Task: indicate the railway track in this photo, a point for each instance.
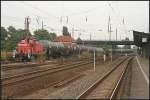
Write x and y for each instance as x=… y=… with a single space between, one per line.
x=7 y=67
x=23 y=65
x=67 y=81
x=21 y=85
x=25 y=70
x=30 y=75
x=106 y=87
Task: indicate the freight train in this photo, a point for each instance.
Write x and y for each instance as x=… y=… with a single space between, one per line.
x=29 y=48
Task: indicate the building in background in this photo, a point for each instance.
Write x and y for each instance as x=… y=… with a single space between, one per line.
x=141 y=40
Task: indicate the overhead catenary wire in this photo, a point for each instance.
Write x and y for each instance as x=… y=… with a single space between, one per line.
x=13 y=18
x=121 y=20
x=42 y=11
x=48 y=14
x=16 y=18
x=84 y=12
x=114 y=12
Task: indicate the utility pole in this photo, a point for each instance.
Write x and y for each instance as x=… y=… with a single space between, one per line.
x=42 y=24
x=38 y=19
x=110 y=40
x=116 y=34
x=73 y=31
x=109 y=28
x=120 y=38
x=94 y=60
x=109 y=31
x=27 y=19
x=25 y=24
x=90 y=37
x=67 y=19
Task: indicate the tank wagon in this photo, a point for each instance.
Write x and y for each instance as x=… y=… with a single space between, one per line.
x=59 y=49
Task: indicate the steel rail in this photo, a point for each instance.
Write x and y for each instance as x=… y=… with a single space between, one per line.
x=115 y=90
x=84 y=93
x=33 y=72
x=42 y=70
x=25 y=66
x=11 y=67
x=34 y=75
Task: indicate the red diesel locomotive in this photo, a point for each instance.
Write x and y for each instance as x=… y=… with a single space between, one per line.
x=28 y=48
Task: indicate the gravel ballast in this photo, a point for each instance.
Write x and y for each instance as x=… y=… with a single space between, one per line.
x=73 y=90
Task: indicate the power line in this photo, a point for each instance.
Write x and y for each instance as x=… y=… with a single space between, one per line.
x=32 y=7
x=83 y=12
x=11 y=17
x=118 y=11
x=122 y=20
x=42 y=11
x=48 y=13
x=110 y=5
x=87 y=11
x=15 y=20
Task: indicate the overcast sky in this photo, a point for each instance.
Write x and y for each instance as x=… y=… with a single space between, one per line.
x=134 y=13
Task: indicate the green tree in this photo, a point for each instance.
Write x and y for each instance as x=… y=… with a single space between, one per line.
x=16 y=36
x=43 y=34
x=21 y=33
x=65 y=31
x=4 y=34
x=13 y=37
x=53 y=36
x=11 y=29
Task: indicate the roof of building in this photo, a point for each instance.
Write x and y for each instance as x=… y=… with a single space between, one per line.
x=64 y=39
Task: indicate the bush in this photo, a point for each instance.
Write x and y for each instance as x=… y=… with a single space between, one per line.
x=6 y=58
